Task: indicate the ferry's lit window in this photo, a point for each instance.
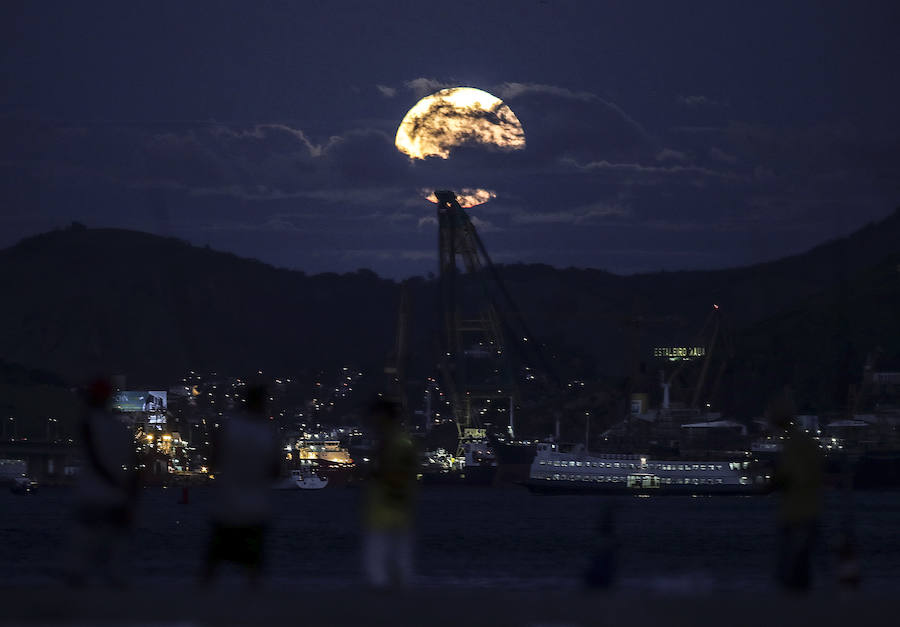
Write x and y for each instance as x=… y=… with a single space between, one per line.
x=718 y=481
x=571 y=463
x=702 y=466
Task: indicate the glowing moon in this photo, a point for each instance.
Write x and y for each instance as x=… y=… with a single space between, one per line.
x=455 y=117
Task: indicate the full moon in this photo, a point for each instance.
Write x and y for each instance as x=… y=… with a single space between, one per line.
x=456 y=117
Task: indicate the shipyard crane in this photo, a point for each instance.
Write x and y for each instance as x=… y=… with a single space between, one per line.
x=479 y=322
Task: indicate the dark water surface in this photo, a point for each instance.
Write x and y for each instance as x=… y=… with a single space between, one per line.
x=475 y=537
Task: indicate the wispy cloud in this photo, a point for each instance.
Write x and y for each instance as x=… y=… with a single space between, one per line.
x=261 y=131
x=511 y=91
x=582 y=215
x=387 y=92
x=423 y=86
x=484 y=226
x=693 y=102
x=648 y=170
x=720 y=155
x=669 y=154
x=380 y=254
x=273 y=224
x=507 y=91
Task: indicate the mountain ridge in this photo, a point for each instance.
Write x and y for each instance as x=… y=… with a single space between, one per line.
x=84 y=300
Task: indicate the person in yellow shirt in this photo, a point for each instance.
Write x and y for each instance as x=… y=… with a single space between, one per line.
x=799 y=478
x=390 y=500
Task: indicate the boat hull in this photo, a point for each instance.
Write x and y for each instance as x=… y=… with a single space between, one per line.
x=587 y=487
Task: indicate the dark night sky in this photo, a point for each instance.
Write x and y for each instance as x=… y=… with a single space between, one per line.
x=660 y=135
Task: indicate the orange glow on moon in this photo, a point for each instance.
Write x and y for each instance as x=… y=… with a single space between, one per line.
x=467 y=197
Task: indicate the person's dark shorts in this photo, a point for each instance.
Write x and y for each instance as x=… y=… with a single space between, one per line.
x=242 y=545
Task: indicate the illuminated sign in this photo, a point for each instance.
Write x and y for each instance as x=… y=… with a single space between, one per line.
x=678 y=353
x=144 y=400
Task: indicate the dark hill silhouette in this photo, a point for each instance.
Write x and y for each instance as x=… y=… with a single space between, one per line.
x=607 y=315
x=88 y=300
x=77 y=301
x=820 y=343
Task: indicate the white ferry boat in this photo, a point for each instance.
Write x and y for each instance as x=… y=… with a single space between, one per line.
x=575 y=471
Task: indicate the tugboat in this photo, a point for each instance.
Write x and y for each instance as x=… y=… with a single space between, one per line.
x=476 y=467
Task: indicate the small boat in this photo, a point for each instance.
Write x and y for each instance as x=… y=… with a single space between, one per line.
x=24 y=485
x=299 y=481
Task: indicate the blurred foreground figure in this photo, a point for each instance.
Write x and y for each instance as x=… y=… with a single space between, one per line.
x=798 y=477
x=390 y=500
x=601 y=570
x=106 y=494
x=848 y=566
x=245 y=459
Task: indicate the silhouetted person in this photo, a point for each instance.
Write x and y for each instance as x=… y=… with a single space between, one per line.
x=601 y=570
x=246 y=460
x=390 y=500
x=799 y=478
x=107 y=491
x=848 y=566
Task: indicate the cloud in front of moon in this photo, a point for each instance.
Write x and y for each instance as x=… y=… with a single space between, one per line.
x=456 y=117
x=466 y=197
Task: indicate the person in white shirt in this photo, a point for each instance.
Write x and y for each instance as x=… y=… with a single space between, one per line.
x=245 y=461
